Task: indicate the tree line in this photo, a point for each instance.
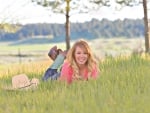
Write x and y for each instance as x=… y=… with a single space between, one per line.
x=128 y=28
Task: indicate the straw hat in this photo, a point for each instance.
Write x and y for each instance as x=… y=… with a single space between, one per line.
x=22 y=81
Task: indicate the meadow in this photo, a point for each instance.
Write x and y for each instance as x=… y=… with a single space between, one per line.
x=122 y=87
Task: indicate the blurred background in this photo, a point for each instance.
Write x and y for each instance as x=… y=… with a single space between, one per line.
x=29 y=28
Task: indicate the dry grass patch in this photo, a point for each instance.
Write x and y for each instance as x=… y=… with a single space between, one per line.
x=30 y=68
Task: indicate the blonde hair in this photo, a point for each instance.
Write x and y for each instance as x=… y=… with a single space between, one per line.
x=91 y=62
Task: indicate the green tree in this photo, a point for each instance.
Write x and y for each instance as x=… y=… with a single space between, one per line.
x=68 y=7
x=145 y=9
x=8 y=27
x=9 y=18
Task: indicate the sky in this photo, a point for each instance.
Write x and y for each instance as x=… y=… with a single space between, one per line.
x=25 y=12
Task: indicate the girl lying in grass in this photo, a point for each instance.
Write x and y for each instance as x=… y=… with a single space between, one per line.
x=80 y=63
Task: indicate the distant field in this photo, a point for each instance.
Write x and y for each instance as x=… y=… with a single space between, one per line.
x=10 y=51
x=10 y=46
x=34 y=50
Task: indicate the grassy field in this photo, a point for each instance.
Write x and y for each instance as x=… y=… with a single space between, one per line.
x=36 y=49
x=122 y=87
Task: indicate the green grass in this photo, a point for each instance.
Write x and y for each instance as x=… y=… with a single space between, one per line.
x=122 y=87
x=30 y=47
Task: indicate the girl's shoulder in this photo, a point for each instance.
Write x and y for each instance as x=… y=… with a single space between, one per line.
x=66 y=63
x=67 y=67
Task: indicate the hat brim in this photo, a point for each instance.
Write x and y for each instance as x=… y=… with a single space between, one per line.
x=10 y=88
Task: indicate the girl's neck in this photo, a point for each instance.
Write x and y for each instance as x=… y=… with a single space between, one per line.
x=82 y=70
x=82 y=66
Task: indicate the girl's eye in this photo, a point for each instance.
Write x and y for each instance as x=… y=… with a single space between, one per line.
x=78 y=52
x=82 y=53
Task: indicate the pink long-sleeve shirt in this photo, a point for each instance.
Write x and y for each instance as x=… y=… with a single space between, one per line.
x=67 y=73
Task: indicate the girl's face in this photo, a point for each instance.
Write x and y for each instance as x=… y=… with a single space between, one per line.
x=81 y=55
